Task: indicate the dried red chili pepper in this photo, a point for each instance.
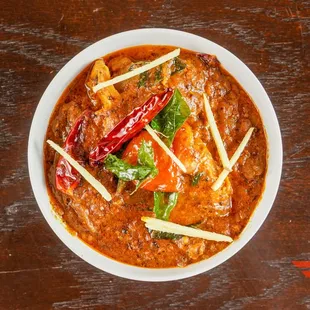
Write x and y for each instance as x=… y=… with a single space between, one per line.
x=67 y=178
x=130 y=126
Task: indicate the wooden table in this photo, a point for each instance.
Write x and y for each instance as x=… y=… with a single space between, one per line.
x=38 y=37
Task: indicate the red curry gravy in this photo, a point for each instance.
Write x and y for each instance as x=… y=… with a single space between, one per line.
x=115 y=228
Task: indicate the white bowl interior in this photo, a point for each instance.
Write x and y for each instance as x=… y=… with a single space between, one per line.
x=156 y=37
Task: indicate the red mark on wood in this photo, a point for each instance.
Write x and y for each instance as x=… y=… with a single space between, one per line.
x=301 y=264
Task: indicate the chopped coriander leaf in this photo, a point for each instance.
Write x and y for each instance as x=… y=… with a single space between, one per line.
x=196 y=178
x=142 y=79
x=158 y=74
x=178 y=66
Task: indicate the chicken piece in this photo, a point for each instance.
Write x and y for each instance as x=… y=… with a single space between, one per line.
x=193 y=152
x=106 y=97
x=201 y=201
x=120 y=65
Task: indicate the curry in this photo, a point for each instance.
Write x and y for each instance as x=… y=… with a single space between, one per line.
x=109 y=133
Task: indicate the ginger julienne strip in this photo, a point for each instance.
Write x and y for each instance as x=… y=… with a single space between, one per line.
x=169 y=227
x=216 y=134
x=218 y=183
x=84 y=173
x=165 y=148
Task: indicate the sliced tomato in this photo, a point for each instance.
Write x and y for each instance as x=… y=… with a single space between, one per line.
x=168 y=178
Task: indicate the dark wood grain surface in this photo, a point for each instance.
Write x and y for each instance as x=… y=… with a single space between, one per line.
x=38 y=37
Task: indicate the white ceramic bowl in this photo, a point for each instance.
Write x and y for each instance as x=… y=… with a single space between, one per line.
x=160 y=37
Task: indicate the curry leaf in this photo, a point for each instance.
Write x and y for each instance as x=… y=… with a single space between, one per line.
x=146 y=158
x=127 y=172
x=146 y=155
x=155 y=234
x=164 y=203
x=172 y=117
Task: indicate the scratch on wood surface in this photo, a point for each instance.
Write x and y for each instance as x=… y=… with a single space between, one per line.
x=299 y=150
x=17 y=175
x=247 y=10
x=61 y=18
x=287 y=277
x=20 y=213
x=7 y=135
x=34 y=52
x=289 y=12
x=304 y=302
x=46 y=33
x=97 y=9
x=297 y=161
x=302 y=40
x=29 y=270
x=12 y=209
x=296 y=9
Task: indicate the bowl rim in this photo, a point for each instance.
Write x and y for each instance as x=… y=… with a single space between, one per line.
x=153 y=36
